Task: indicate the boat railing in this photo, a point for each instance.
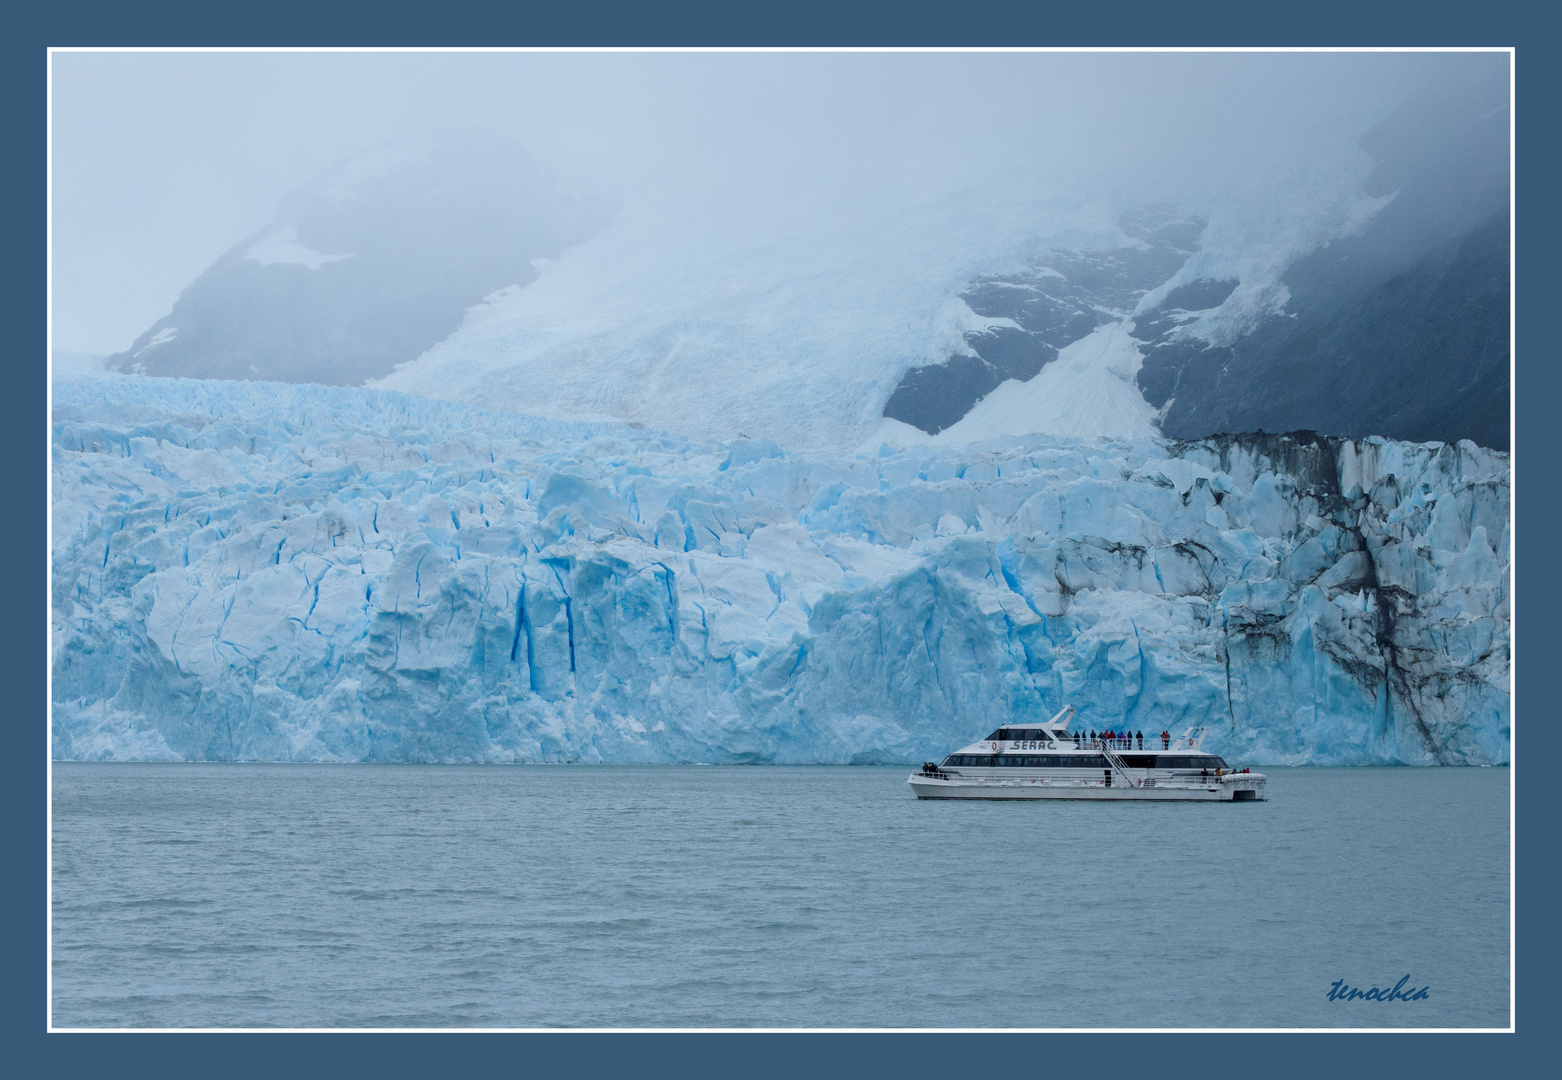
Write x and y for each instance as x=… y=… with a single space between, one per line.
x=1121 y=767
x=1132 y=746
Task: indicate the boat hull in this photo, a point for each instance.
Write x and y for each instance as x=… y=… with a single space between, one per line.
x=1237 y=788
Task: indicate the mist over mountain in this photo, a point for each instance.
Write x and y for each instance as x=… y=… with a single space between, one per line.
x=1401 y=330
x=1351 y=295
x=368 y=265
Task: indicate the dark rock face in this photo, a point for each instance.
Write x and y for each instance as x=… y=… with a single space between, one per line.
x=368 y=266
x=1401 y=330
x=1422 y=357
x=1062 y=297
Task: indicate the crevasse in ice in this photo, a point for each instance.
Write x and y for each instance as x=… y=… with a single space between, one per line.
x=262 y=571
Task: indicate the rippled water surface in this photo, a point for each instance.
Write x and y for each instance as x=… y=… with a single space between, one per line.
x=608 y=896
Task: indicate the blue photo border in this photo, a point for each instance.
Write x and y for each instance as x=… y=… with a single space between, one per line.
x=31 y=1051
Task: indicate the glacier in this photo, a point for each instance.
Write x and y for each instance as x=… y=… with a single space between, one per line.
x=296 y=572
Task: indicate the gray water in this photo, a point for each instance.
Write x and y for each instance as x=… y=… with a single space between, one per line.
x=702 y=896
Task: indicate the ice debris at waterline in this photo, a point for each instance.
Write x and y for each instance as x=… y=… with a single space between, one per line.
x=263 y=571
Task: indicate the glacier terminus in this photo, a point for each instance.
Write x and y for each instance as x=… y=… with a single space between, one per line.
x=276 y=572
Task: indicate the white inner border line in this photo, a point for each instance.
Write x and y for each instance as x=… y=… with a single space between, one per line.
x=1513 y=536
x=48 y=529
x=1512 y=517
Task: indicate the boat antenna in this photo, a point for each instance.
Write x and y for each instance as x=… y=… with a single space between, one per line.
x=1059 y=718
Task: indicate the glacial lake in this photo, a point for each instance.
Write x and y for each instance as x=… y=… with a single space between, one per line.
x=753 y=896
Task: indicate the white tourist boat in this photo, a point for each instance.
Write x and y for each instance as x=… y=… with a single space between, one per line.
x=1048 y=761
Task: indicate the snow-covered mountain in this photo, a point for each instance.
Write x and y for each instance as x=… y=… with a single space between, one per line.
x=262 y=571
x=368 y=265
x=459 y=270
x=1400 y=329
x=1416 y=298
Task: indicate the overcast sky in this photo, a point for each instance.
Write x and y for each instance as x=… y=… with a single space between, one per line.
x=163 y=161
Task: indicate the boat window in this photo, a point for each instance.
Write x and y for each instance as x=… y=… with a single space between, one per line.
x=1057 y=761
x=1139 y=761
x=1190 y=761
x=1008 y=734
x=1028 y=761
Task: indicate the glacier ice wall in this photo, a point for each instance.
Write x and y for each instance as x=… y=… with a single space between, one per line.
x=253 y=571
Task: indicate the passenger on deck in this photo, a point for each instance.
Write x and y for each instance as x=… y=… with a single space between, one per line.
x=1140 y=736
x=1165 y=740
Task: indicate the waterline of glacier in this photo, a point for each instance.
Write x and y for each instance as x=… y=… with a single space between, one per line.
x=251 y=571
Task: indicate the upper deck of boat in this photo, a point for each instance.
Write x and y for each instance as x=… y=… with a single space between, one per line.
x=1008 y=739
x=1051 y=745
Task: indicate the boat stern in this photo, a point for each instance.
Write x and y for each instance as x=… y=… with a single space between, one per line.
x=1243 y=787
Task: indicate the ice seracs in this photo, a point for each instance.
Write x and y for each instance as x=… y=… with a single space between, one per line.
x=295 y=572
